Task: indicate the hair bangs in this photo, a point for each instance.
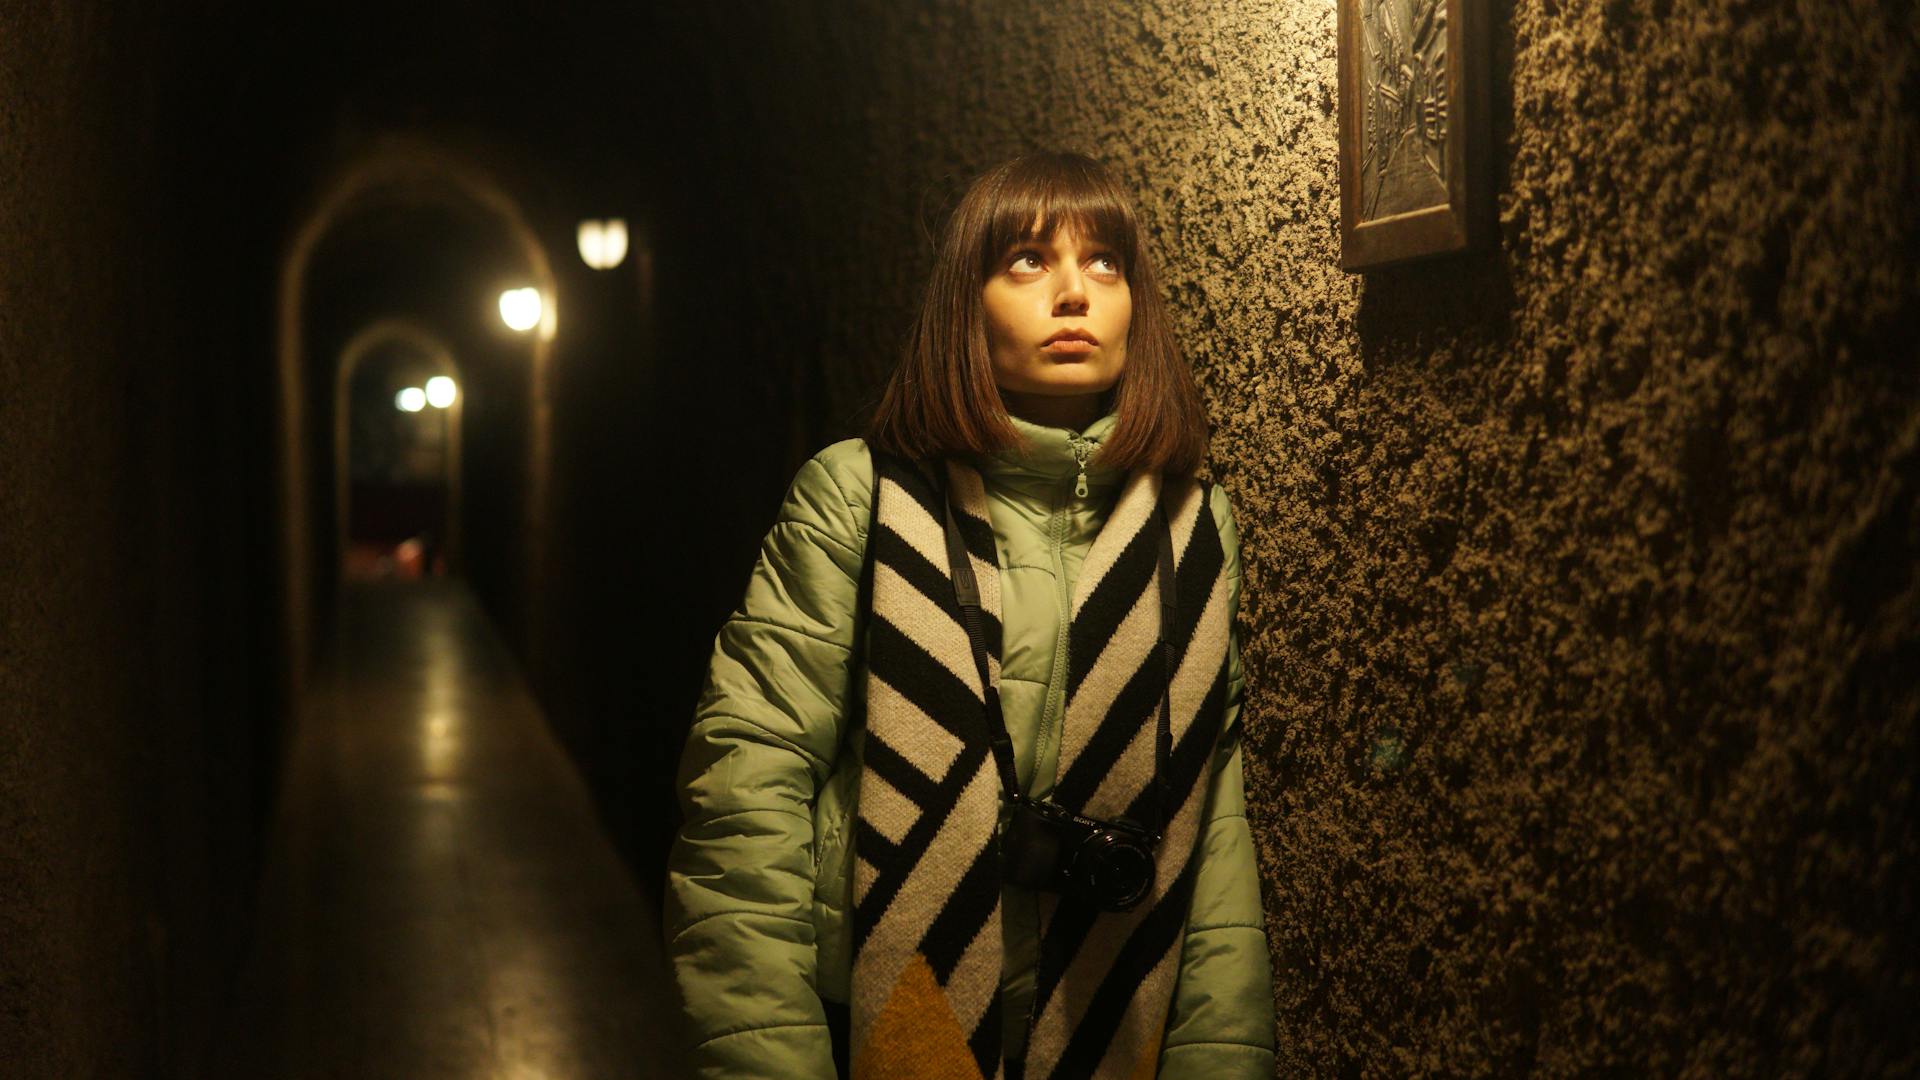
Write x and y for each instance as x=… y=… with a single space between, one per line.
x=1045 y=193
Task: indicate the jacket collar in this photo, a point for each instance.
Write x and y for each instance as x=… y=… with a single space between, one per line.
x=1047 y=460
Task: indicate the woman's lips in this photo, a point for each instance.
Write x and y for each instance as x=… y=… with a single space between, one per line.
x=1068 y=347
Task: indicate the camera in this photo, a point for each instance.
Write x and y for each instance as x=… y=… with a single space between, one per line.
x=1052 y=849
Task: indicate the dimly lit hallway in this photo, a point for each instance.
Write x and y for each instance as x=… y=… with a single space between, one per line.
x=1581 y=594
x=439 y=900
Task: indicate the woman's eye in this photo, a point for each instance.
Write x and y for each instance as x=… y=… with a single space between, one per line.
x=1105 y=264
x=1027 y=262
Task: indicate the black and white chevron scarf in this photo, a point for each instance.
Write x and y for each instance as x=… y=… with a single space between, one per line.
x=926 y=887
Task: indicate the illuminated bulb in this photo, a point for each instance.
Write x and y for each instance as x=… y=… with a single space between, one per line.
x=603 y=244
x=412 y=399
x=520 y=308
x=440 y=391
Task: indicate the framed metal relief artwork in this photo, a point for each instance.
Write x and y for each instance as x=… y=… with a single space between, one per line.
x=1415 y=164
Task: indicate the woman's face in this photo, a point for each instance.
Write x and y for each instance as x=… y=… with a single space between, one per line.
x=1057 y=315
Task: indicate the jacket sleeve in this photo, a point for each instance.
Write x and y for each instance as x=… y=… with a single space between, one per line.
x=738 y=918
x=1221 y=1023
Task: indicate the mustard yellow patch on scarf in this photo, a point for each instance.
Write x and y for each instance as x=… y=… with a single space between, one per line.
x=916 y=1036
x=1148 y=1065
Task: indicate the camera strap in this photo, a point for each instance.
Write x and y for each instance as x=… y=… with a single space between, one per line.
x=966 y=590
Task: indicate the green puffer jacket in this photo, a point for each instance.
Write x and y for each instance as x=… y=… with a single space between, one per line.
x=760 y=879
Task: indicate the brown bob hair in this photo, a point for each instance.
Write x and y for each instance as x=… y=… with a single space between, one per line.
x=942 y=400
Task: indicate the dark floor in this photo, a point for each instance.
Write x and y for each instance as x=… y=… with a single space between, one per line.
x=441 y=902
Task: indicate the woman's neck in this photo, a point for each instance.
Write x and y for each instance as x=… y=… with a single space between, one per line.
x=1071 y=411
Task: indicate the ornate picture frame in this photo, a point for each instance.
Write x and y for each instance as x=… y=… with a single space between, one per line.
x=1415 y=155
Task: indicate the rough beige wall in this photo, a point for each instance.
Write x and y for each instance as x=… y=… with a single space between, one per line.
x=132 y=699
x=69 y=893
x=1582 y=609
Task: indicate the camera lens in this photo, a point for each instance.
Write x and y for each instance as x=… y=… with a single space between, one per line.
x=1116 y=869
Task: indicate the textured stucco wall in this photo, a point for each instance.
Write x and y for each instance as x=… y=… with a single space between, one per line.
x=135 y=723
x=1581 y=574
x=61 y=874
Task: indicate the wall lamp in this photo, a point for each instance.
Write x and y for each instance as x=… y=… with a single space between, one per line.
x=521 y=309
x=603 y=243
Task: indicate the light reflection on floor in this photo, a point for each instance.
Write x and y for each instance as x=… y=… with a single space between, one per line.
x=442 y=903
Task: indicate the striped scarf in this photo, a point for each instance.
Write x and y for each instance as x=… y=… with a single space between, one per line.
x=926 y=887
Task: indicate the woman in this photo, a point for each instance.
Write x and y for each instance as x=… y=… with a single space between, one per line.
x=963 y=794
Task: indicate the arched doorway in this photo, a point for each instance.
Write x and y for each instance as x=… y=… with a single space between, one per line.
x=398 y=172
x=397 y=500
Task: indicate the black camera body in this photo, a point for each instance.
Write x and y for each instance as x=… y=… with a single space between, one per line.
x=1049 y=848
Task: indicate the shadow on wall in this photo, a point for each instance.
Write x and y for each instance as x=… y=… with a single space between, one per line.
x=1405 y=311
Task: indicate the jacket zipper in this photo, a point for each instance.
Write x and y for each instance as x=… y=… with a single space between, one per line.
x=1082 y=450
x=1045 y=745
x=1050 y=717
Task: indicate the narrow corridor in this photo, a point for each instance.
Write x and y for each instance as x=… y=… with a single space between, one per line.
x=441 y=901
x=1579 y=569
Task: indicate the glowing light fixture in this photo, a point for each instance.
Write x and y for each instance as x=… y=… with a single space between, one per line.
x=440 y=391
x=603 y=244
x=412 y=399
x=520 y=309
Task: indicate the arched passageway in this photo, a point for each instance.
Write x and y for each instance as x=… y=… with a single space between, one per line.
x=445 y=519
x=425 y=795
x=397 y=178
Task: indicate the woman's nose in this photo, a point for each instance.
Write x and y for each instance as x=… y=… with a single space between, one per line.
x=1072 y=297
